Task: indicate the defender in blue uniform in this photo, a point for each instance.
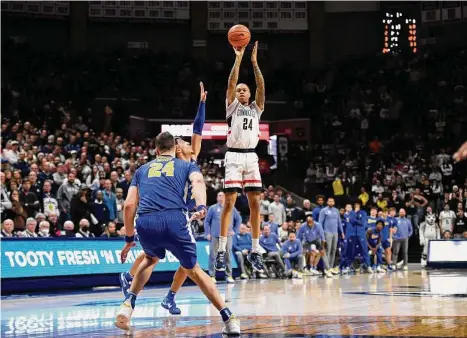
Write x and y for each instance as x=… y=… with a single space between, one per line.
x=189 y=153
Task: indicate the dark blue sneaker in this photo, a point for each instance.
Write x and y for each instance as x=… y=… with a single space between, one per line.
x=124 y=284
x=169 y=304
x=256 y=261
x=220 y=261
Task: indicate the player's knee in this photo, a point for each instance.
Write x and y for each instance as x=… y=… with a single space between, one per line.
x=229 y=202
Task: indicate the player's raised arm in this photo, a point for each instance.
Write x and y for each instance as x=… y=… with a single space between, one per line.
x=198 y=123
x=199 y=194
x=233 y=77
x=260 y=96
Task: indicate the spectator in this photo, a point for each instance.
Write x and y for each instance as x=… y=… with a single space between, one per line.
x=306 y=210
x=68 y=229
x=241 y=245
x=110 y=231
x=55 y=225
x=84 y=229
x=338 y=189
x=125 y=184
x=60 y=176
x=270 y=243
x=30 y=231
x=272 y=225
x=44 y=229
x=81 y=206
x=100 y=212
x=447 y=219
x=35 y=186
x=401 y=239
x=28 y=199
x=330 y=220
x=364 y=197
x=264 y=207
x=120 y=202
x=110 y=201
x=65 y=194
x=292 y=213
x=212 y=227
x=277 y=209
x=447 y=235
x=50 y=203
x=283 y=232
x=19 y=212
x=12 y=153
x=292 y=253
x=5 y=200
x=460 y=224
x=8 y=229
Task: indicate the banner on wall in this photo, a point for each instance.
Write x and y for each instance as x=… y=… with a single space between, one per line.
x=23 y=258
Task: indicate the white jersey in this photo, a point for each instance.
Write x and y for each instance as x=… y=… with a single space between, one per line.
x=446 y=219
x=243 y=124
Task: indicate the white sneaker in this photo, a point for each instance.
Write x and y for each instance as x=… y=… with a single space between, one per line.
x=214 y=280
x=232 y=326
x=263 y=275
x=315 y=272
x=335 y=270
x=369 y=269
x=244 y=276
x=380 y=269
x=399 y=264
x=423 y=263
x=230 y=280
x=307 y=272
x=345 y=271
x=122 y=320
x=328 y=273
x=405 y=268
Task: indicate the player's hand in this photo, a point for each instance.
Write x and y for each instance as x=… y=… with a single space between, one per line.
x=343 y=236
x=198 y=215
x=208 y=237
x=254 y=53
x=126 y=249
x=461 y=153
x=287 y=255
x=239 y=51
x=203 y=93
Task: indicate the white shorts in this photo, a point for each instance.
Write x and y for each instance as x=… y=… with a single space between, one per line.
x=242 y=172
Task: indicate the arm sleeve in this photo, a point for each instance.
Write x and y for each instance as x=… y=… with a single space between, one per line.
x=198 y=123
x=410 y=228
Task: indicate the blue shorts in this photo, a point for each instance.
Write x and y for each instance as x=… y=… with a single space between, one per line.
x=168 y=230
x=386 y=244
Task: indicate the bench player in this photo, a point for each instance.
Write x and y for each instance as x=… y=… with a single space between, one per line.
x=186 y=152
x=158 y=192
x=241 y=161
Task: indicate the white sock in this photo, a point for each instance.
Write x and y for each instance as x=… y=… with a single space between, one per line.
x=255 y=245
x=222 y=243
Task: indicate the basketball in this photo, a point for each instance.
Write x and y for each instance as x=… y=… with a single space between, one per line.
x=239 y=36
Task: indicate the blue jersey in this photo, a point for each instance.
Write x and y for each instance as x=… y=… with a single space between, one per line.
x=374 y=237
x=162 y=184
x=190 y=201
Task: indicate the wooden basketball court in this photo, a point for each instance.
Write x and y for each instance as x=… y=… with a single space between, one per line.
x=411 y=303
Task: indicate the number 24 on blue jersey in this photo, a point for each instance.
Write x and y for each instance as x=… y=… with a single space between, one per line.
x=157 y=169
